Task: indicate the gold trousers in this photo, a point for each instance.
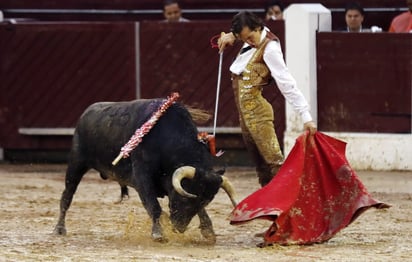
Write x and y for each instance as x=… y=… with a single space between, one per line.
x=256 y=121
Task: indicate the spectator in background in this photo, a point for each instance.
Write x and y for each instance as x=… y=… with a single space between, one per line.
x=172 y=12
x=274 y=10
x=403 y=22
x=354 y=16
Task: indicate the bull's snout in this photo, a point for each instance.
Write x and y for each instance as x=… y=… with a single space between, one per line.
x=179 y=228
x=180 y=225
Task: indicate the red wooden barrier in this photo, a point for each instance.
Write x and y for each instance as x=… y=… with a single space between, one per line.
x=50 y=72
x=364 y=82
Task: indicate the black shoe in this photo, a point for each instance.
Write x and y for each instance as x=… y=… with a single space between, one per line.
x=264 y=244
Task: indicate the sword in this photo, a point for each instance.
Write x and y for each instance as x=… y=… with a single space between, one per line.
x=212 y=142
x=219 y=76
x=214 y=44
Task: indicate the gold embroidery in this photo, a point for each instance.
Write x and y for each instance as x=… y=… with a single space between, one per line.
x=256 y=113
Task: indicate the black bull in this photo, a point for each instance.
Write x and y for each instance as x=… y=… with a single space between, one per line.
x=170 y=161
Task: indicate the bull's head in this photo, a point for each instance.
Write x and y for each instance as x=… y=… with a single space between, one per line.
x=202 y=186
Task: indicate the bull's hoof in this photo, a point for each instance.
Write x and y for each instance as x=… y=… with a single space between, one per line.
x=209 y=234
x=123 y=197
x=60 y=231
x=157 y=237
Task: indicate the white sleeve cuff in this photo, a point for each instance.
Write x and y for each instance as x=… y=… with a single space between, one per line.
x=306 y=117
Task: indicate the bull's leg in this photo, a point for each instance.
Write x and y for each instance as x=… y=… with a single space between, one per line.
x=124 y=191
x=124 y=194
x=154 y=210
x=206 y=227
x=74 y=174
x=147 y=192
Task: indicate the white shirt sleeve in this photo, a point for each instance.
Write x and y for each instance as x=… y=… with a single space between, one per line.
x=273 y=58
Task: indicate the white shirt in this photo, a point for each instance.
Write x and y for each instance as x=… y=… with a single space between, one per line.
x=273 y=58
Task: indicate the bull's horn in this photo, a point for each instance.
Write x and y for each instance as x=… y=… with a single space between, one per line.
x=229 y=189
x=178 y=175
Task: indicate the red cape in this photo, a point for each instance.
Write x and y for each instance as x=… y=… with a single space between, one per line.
x=313 y=196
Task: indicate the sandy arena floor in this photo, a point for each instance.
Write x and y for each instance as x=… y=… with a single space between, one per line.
x=100 y=230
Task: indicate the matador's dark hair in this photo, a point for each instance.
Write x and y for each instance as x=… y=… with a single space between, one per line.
x=246 y=18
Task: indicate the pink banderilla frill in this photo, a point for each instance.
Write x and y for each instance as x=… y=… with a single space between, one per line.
x=144 y=129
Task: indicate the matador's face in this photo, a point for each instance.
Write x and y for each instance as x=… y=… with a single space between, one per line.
x=252 y=37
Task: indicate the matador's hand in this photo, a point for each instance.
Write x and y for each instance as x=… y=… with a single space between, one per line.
x=311 y=127
x=225 y=40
